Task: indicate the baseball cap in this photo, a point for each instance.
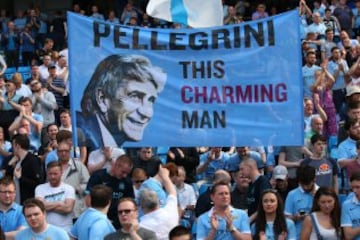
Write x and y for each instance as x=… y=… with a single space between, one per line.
x=280 y=172
x=352 y=90
x=51 y=65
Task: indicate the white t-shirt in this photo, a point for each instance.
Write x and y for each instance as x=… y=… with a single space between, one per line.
x=163 y=219
x=57 y=194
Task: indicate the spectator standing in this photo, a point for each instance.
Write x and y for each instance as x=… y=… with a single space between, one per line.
x=39 y=228
x=12 y=218
x=279 y=181
x=147 y=161
x=299 y=201
x=350 y=213
x=116 y=177
x=167 y=217
x=58 y=30
x=271 y=222
x=188 y=157
x=27 y=169
x=27 y=42
x=223 y=221
x=326 y=168
x=93 y=224
x=324 y=219
x=10 y=42
x=345 y=16
x=75 y=174
x=57 y=196
x=211 y=161
x=128 y=218
x=248 y=169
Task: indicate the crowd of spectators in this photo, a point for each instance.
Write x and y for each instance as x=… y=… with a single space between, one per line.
x=51 y=188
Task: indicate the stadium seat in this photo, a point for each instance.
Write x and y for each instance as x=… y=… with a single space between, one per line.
x=9 y=72
x=332 y=143
x=342 y=198
x=24 y=69
x=25 y=72
x=204 y=187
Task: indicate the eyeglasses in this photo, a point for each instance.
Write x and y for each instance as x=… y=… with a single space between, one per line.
x=125 y=211
x=139 y=181
x=7 y=192
x=63 y=150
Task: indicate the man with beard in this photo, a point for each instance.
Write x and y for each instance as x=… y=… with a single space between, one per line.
x=347 y=149
x=117 y=103
x=43 y=102
x=299 y=201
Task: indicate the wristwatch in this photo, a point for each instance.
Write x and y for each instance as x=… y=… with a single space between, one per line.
x=232 y=229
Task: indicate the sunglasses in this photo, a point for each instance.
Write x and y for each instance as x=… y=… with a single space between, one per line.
x=125 y=211
x=139 y=181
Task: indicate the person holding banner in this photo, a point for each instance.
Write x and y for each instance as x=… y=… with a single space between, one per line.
x=117 y=103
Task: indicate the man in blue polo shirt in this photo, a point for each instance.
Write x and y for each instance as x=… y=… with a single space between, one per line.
x=299 y=201
x=223 y=221
x=12 y=219
x=243 y=153
x=350 y=213
x=93 y=223
x=211 y=161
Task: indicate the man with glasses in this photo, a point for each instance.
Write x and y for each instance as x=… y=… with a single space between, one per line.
x=93 y=223
x=12 y=218
x=75 y=174
x=128 y=217
x=115 y=177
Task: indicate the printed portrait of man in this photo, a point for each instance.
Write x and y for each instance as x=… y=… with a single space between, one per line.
x=118 y=102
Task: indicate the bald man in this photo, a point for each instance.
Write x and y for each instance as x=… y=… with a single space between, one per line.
x=248 y=168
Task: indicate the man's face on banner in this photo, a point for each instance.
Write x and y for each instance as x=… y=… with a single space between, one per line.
x=132 y=107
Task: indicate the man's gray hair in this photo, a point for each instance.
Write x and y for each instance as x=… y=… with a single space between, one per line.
x=148 y=200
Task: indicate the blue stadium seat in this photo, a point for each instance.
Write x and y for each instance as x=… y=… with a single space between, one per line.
x=24 y=69
x=332 y=143
x=9 y=72
x=204 y=187
x=25 y=72
x=342 y=198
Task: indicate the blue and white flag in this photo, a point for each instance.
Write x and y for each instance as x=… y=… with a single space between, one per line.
x=195 y=13
x=234 y=85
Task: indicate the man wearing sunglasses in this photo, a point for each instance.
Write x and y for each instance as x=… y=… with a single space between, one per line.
x=128 y=216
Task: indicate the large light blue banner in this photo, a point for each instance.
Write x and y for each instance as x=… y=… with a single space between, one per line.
x=234 y=85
